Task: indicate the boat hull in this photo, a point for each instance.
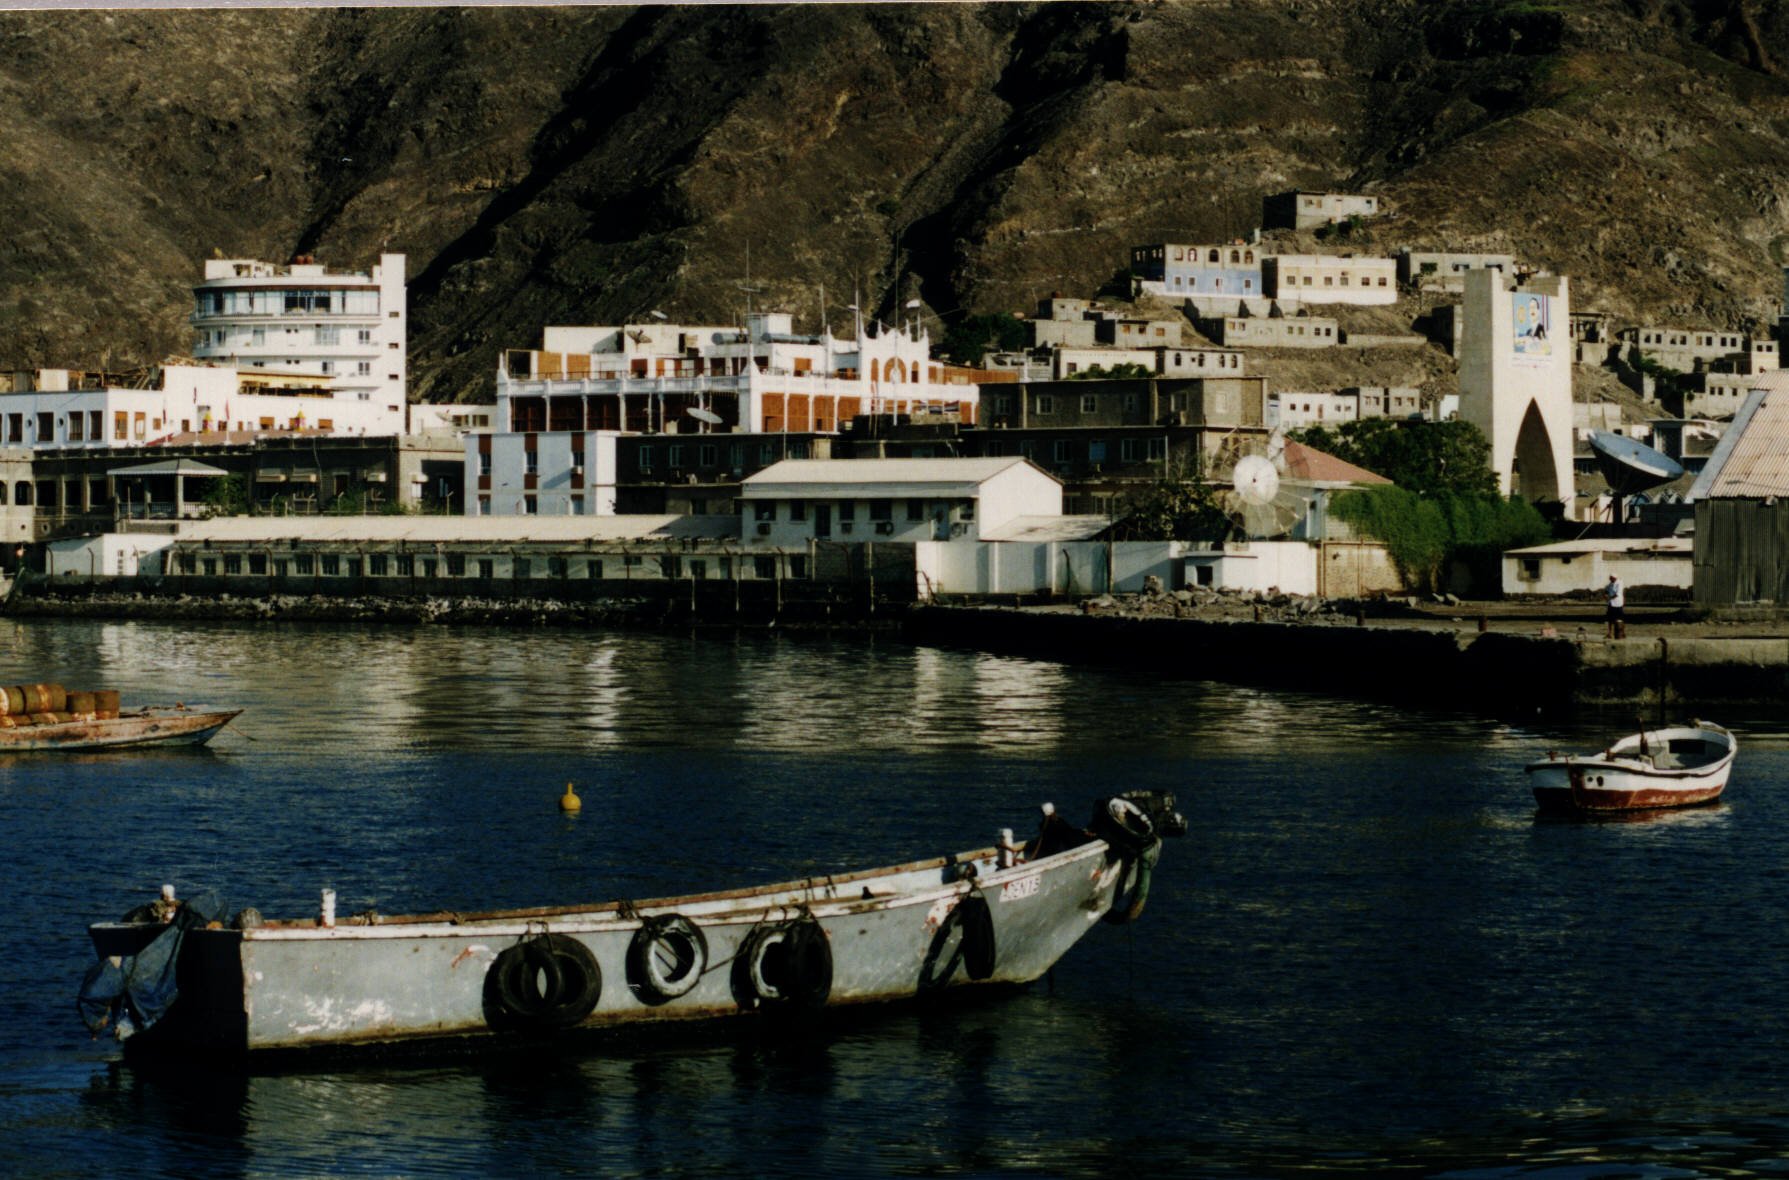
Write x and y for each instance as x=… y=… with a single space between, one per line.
x=1638 y=776
x=889 y=934
x=149 y=727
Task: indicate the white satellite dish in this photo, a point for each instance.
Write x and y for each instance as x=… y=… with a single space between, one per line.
x=1255 y=479
x=700 y=415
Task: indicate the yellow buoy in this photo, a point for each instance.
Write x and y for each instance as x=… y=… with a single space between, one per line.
x=569 y=801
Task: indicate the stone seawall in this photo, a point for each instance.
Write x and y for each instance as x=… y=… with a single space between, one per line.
x=1507 y=674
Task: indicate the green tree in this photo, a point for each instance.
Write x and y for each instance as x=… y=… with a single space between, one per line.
x=1172 y=510
x=1426 y=458
x=974 y=336
x=1425 y=534
x=226 y=495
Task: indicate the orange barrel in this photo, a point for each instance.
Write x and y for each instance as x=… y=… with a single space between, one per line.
x=106 y=700
x=58 y=702
x=34 y=697
x=6 y=703
x=8 y=721
x=15 y=699
x=43 y=718
x=81 y=702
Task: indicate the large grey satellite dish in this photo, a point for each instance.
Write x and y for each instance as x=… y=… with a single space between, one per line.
x=700 y=415
x=1631 y=466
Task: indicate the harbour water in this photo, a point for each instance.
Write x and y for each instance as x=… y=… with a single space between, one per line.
x=1369 y=955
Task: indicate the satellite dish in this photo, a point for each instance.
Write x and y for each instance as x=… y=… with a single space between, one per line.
x=1256 y=503
x=708 y=416
x=1630 y=466
x=1255 y=479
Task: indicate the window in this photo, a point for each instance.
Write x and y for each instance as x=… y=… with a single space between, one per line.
x=76 y=431
x=916 y=510
x=698 y=568
x=304 y=563
x=881 y=510
x=1531 y=569
x=328 y=336
x=364 y=336
x=1089 y=403
x=257 y=563
x=674 y=456
x=210 y=566
x=557 y=567
x=406 y=565
x=530 y=462
x=46 y=428
x=764 y=510
x=798 y=510
x=708 y=455
x=521 y=567
x=798 y=565
x=232 y=563
x=530 y=505
x=847 y=510
x=1059 y=450
x=484 y=463
x=593 y=567
x=484 y=506
x=966 y=510
x=764 y=567
x=487 y=567
x=1158 y=449
x=1127 y=450
x=331 y=565
x=1046 y=404
x=646 y=458
x=456 y=565
x=377 y=564
x=1096 y=451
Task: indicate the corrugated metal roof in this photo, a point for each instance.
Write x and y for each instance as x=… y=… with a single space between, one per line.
x=893 y=471
x=1752 y=459
x=431 y=529
x=169 y=467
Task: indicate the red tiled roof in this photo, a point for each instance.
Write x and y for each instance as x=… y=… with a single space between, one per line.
x=1308 y=463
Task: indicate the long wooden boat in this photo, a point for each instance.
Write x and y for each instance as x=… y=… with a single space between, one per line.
x=152 y=725
x=175 y=976
x=1672 y=766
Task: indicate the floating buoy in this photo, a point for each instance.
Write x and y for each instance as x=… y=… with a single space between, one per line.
x=569 y=801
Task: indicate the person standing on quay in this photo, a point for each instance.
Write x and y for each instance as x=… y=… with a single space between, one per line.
x=1617 y=600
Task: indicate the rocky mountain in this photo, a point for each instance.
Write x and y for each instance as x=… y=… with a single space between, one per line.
x=566 y=165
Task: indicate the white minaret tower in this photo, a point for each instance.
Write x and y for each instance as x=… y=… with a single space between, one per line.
x=1516 y=380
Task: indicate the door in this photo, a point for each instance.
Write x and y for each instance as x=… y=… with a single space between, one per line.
x=823 y=520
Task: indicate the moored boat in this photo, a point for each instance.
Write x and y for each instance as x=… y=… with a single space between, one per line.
x=50 y=717
x=176 y=976
x=1670 y=766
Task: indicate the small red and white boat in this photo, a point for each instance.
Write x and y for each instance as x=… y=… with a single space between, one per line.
x=1672 y=766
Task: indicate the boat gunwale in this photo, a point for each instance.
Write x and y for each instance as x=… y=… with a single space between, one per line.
x=608 y=916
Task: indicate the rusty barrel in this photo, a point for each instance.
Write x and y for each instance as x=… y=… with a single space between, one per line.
x=82 y=702
x=105 y=700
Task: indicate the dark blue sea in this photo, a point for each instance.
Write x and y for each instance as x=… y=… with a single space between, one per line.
x=1368 y=957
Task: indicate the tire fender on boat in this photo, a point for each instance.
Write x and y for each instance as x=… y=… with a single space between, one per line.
x=666 y=958
x=788 y=964
x=1132 y=893
x=548 y=981
x=965 y=936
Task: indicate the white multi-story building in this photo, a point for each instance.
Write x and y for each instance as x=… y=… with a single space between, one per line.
x=1330 y=278
x=53 y=408
x=349 y=326
x=558 y=408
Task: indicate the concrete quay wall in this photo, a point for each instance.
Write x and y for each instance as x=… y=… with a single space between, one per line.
x=1506 y=674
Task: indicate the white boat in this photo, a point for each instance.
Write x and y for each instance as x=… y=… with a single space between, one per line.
x=176 y=975
x=1671 y=766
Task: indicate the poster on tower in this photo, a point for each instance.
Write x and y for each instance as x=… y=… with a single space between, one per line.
x=1532 y=341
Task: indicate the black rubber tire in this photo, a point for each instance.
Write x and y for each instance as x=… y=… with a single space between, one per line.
x=789 y=964
x=971 y=923
x=551 y=981
x=686 y=944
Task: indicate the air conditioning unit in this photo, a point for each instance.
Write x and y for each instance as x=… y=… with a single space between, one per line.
x=885 y=527
x=764 y=529
x=845 y=527
x=958 y=529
